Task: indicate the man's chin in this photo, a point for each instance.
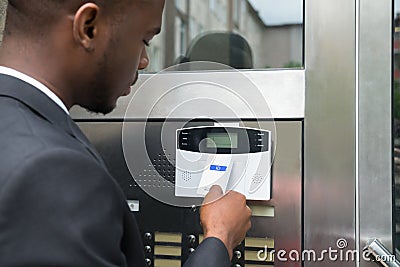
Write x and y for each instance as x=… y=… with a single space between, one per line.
x=105 y=109
x=127 y=91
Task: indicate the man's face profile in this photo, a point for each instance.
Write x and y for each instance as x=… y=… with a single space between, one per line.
x=123 y=47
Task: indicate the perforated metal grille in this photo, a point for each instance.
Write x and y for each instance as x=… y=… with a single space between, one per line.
x=164 y=167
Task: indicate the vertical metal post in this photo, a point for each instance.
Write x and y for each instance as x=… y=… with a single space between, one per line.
x=375 y=122
x=330 y=133
x=347 y=176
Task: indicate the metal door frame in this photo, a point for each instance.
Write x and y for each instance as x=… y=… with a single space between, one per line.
x=348 y=148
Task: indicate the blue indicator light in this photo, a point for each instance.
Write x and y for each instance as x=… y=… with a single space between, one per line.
x=218 y=168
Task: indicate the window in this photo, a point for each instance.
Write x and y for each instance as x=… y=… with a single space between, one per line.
x=236 y=11
x=181 y=30
x=272 y=30
x=213 y=5
x=181 y=5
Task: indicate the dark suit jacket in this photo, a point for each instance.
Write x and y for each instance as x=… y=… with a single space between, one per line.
x=59 y=206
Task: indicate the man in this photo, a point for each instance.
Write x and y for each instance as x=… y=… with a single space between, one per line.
x=59 y=206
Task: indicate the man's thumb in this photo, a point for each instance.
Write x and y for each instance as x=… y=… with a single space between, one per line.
x=214 y=194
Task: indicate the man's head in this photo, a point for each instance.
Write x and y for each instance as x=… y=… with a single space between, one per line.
x=87 y=52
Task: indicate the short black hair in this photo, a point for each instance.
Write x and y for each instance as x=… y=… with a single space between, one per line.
x=36 y=16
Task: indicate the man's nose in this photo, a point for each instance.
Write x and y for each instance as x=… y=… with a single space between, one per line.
x=144 y=60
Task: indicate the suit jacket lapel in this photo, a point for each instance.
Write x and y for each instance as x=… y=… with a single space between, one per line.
x=45 y=107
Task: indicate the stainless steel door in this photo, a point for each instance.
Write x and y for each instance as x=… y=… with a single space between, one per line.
x=343 y=97
x=348 y=179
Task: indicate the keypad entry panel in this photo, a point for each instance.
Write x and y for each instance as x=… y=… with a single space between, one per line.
x=170 y=234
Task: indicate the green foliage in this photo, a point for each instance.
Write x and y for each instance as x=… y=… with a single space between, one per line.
x=292 y=64
x=396 y=99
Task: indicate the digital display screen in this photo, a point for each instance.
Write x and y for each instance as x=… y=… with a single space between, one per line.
x=222 y=140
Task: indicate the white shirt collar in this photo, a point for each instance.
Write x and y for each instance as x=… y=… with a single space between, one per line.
x=35 y=83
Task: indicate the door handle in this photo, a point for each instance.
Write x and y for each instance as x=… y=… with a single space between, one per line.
x=380 y=254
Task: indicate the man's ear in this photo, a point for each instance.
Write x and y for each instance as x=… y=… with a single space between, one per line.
x=85 y=25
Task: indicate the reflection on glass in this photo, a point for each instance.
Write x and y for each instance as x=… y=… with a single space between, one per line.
x=271 y=33
x=3 y=7
x=396 y=128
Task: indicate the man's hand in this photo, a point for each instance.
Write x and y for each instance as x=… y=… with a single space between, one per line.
x=225 y=217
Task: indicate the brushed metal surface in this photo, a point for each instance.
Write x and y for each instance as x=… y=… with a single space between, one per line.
x=249 y=94
x=375 y=122
x=330 y=133
x=285 y=227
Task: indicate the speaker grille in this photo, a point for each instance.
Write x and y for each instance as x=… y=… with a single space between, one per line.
x=164 y=167
x=257 y=178
x=186 y=176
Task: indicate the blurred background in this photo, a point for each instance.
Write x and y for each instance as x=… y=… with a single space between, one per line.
x=272 y=29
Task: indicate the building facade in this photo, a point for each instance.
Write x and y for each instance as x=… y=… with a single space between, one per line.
x=3 y=7
x=274 y=46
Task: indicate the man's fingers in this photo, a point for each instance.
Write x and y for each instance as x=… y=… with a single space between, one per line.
x=214 y=194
